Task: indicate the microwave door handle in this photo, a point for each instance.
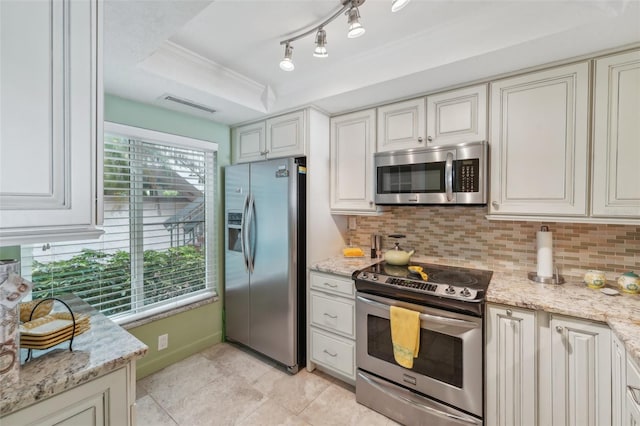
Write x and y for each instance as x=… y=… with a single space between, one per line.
x=243 y=226
x=448 y=176
x=437 y=319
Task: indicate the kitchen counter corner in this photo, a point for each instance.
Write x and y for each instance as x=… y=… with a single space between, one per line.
x=104 y=348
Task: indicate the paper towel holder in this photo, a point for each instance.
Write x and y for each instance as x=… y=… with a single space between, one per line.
x=555 y=279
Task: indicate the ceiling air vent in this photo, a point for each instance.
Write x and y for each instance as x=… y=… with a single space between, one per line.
x=188 y=103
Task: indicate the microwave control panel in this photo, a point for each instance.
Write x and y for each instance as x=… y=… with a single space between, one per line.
x=467 y=174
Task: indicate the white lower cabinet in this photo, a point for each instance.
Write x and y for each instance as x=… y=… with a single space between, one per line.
x=105 y=401
x=632 y=391
x=332 y=333
x=581 y=372
x=510 y=382
x=547 y=369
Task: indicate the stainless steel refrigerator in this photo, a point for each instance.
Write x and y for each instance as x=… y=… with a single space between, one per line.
x=265 y=223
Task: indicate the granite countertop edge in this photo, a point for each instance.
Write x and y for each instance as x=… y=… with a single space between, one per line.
x=104 y=348
x=573 y=298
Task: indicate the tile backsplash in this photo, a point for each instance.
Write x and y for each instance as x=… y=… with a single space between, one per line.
x=462 y=235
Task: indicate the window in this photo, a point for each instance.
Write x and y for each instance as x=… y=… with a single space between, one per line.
x=158 y=247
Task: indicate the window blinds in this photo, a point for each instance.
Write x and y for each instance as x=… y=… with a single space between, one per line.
x=158 y=246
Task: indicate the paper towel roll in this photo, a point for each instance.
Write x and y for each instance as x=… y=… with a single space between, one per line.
x=544 y=244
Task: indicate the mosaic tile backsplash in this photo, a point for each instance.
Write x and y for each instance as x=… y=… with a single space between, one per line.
x=463 y=234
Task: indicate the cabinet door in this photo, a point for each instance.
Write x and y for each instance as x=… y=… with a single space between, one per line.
x=539 y=130
x=103 y=401
x=616 y=136
x=618 y=380
x=352 y=147
x=632 y=393
x=249 y=143
x=50 y=119
x=285 y=135
x=511 y=387
x=457 y=116
x=401 y=125
x=581 y=379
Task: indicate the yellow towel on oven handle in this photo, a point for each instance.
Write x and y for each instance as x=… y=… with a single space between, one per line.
x=405 y=335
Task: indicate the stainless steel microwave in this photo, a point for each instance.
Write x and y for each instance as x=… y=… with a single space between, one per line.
x=455 y=174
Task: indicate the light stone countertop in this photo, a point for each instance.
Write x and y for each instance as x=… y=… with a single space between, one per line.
x=573 y=298
x=105 y=347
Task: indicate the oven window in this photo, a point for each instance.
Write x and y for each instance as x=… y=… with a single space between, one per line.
x=411 y=178
x=440 y=355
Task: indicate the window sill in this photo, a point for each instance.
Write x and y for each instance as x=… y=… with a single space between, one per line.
x=128 y=322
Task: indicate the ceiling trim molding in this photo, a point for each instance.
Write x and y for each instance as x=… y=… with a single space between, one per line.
x=176 y=63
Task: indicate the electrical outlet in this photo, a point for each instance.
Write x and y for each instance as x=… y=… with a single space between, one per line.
x=352 y=223
x=163 y=341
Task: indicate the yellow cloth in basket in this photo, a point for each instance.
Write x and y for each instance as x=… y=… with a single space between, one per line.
x=405 y=335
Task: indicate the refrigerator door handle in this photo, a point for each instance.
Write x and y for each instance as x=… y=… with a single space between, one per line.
x=243 y=225
x=251 y=220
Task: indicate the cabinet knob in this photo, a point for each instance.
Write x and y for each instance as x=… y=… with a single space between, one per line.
x=509 y=312
x=495 y=205
x=559 y=328
x=264 y=152
x=429 y=138
x=420 y=139
x=371 y=203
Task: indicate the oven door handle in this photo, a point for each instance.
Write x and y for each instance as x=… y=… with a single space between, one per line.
x=427 y=317
x=449 y=416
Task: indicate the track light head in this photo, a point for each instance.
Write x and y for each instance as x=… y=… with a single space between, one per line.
x=355 y=28
x=286 y=63
x=396 y=5
x=321 y=40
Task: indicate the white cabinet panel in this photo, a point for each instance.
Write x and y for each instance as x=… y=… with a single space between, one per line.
x=511 y=385
x=539 y=141
x=457 y=116
x=616 y=138
x=581 y=363
x=285 y=135
x=50 y=119
x=341 y=286
x=333 y=313
x=401 y=125
x=249 y=142
x=618 y=380
x=632 y=403
x=334 y=352
x=353 y=141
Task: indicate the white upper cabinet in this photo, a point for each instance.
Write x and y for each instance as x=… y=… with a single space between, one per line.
x=353 y=141
x=539 y=143
x=285 y=135
x=616 y=136
x=277 y=137
x=249 y=142
x=50 y=120
x=401 y=125
x=457 y=116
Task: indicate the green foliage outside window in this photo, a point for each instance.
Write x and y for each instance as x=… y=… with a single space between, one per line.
x=104 y=280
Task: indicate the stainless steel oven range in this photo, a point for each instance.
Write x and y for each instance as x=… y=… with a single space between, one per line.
x=445 y=384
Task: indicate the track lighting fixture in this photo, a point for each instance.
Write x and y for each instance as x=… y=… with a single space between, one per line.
x=349 y=8
x=355 y=27
x=396 y=5
x=286 y=63
x=321 y=40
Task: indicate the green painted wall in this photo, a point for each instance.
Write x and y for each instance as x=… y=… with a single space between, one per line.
x=193 y=330
x=10 y=252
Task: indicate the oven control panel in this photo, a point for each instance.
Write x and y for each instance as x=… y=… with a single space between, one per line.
x=427 y=288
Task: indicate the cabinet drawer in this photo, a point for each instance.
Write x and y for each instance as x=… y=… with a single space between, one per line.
x=333 y=352
x=332 y=284
x=333 y=313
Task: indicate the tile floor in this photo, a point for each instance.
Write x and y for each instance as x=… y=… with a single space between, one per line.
x=227 y=385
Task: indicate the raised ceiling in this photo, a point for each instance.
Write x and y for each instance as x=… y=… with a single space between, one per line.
x=225 y=54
